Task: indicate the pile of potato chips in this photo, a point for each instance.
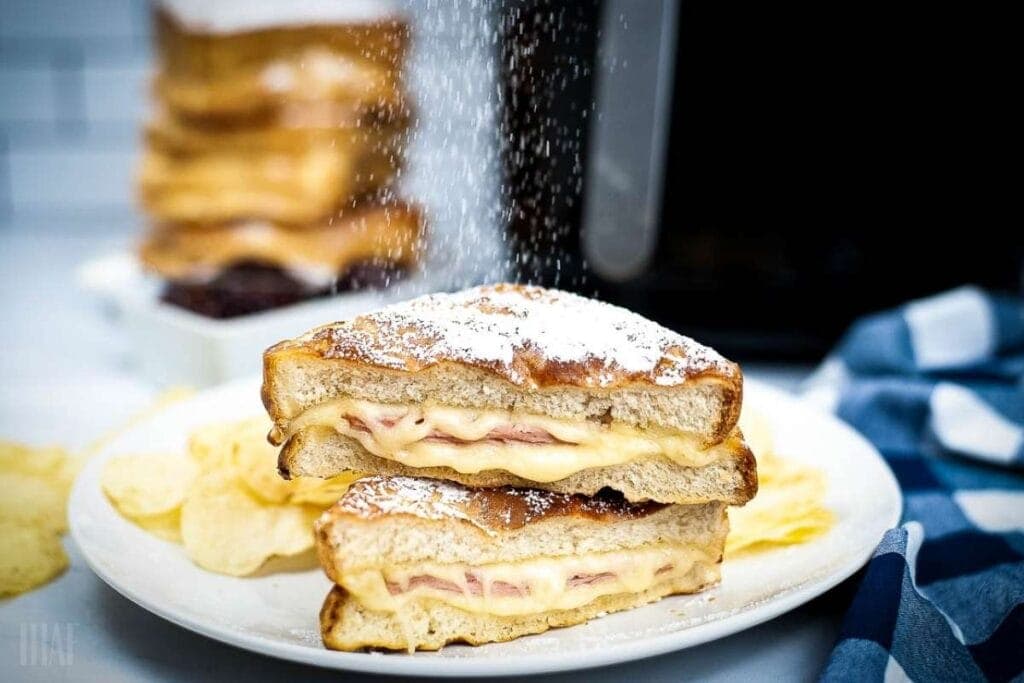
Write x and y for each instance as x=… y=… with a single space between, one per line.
x=790 y=504
x=34 y=487
x=223 y=500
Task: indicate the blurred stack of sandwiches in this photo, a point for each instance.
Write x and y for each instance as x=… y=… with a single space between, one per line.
x=269 y=163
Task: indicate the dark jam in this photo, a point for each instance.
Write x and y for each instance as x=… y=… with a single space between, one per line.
x=246 y=288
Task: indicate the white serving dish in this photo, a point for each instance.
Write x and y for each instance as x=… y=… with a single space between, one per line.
x=175 y=346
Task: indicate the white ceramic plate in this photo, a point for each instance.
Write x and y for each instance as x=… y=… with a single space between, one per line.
x=276 y=614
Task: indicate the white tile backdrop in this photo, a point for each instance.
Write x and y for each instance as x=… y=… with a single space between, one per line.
x=73 y=89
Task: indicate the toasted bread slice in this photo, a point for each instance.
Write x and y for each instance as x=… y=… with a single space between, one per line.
x=388 y=233
x=510 y=347
x=386 y=521
x=228 y=66
x=299 y=187
x=732 y=479
x=347 y=625
x=420 y=563
x=173 y=136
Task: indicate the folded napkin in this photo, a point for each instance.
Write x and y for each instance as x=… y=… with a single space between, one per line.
x=938 y=387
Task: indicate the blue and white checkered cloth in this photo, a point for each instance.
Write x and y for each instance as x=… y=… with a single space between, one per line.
x=938 y=387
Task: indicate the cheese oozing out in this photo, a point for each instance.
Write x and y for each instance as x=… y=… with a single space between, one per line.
x=470 y=440
x=527 y=587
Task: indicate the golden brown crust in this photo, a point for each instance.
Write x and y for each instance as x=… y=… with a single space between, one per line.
x=301 y=186
x=325 y=551
x=221 y=75
x=496 y=509
x=374 y=233
x=733 y=405
x=196 y=52
x=175 y=136
x=747 y=465
x=533 y=338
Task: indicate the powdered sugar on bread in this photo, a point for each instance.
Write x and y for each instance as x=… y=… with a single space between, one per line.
x=510 y=347
x=424 y=498
x=491 y=509
x=529 y=335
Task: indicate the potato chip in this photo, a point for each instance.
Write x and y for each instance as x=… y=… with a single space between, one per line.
x=29 y=557
x=148 y=485
x=256 y=464
x=227 y=529
x=166 y=526
x=255 y=461
x=237 y=511
x=54 y=464
x=769 y=533
x=213 y=446
x=34 y=485
x=33 y=500
x=322 y=492
x=789 y=508
x=45 y=462
x=757 y=432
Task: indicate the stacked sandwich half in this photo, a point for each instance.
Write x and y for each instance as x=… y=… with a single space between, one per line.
x=278 y=130
x=535 y=459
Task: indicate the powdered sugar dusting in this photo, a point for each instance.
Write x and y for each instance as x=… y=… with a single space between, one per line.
x=529 y=335
x=487 y=508
x=425 y=498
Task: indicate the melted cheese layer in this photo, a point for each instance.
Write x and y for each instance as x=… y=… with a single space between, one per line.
x=540 y=585
x=399 y=432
